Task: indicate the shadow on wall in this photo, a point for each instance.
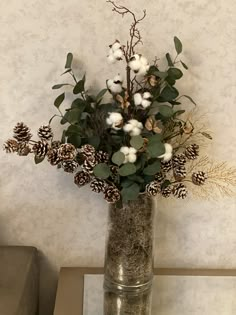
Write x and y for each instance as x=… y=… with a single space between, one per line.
x=48 y=285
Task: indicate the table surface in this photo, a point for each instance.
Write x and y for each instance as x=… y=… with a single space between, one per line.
x=70 y=293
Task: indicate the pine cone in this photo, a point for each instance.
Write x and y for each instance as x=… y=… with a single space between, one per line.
x=53 y=157
x=82 y=178
x=55 y=144
x=10 y=146
x=70 y=166
x=23 y=149
x=166 y=166
x=166 y=192
x=180 y=191
x=180 y=172
x=98 y=185
x=67 y=152
x=179 y=160
x=89 y=164
x=192 y=151
x=88 y=150
x=102 y=157
x=41 y=148
x=160 y=177
x=199 y=178
x=22 y=132
x=45 y=132
x=111 y=194
x=153 y=188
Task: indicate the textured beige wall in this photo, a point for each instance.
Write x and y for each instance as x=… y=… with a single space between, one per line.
x=41 y=206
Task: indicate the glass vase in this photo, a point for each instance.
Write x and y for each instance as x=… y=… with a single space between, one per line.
x=129 y=246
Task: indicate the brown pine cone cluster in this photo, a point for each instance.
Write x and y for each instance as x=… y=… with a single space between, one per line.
x=22 y=132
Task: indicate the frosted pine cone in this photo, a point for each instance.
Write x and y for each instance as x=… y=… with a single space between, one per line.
x=192 y=151
x=70 y=166
x=153 y=188
x=160 y=177
x=87 y=150
x=45 y=132
x=180 y=191
x=89 y=164
x=199 y=178
x=179 y=160
x=166 y=192
x=53 y=157
x=41 y=148
x=23 y=149
x=82 y=178
x=55 y=144
x=22 y=132
x=180 y=172
x=98 y=185
x=10 y=146
x=102 y=157
x=166 y=166
x=67 y=152
x=111 y=194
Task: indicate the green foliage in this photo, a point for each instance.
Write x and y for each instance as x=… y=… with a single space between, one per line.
x=166 y=111
x=190 y=99
x=100 y=95
x=155 y=147
x=136 y=142
x=69 y=60
x=175 y=73
x=38 y=160
x=178 y=45
x=118 y=158
x=131 y=192
x=127 y=169
x=58 y=86
x=169 y=60
x=75 y=140
x=184 y=65
x=169 y=93
x=152 y=168
x=102 y=171
x=79 y=88
x=72 y=116
x=58 y=101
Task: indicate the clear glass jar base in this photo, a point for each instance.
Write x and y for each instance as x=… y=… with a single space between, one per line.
x=110 y=286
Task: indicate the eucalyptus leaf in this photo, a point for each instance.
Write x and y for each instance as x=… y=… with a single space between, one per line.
x=75 y=140
x=69 y=60
x=73 y=130
x=155 y=149
x=166 y=111
x=184 y=65
x=102 y=171
x=94 y=141
x=154 y=109
x=178 y=45
x=153 y=168
x=136 y=142
x=169 y=60
x=175 y=73
x=179 y=112
x=168 y=94
x=79 y=88
x=160 y=74
x=63 y=137
x=58 y=86
x=127 y=169
x=131 y=192
x=136 y=178
x=59 y=100
x=72 y=116
x=100 y=95
x=118 y=158
x=207 y=135
x=38 y=159
x=68 y=70
x=126 y=183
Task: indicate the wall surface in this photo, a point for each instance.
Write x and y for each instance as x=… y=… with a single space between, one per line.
x=41 y=206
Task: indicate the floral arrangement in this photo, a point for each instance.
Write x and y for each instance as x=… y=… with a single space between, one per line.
x=141 y=141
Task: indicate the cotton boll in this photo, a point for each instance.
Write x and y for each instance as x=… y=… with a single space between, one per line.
x=135 y=63
x=140 y=125
x=168 y=153
x=128 y=127
x=137 y=99
x=132 y=158
x=124 y=150
x=146 y=103
x=118 y=54
x=147 y=68
x=168 y=148
x=135 y=131
x=142 y=70
x=111 y=59
x=118 y=79
x=115 y=88
x=109 y=83
x=115 y=117
x=116 y=46
x=147 y=95
x=167 y=157
x=132 y=150
x=144 y=61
